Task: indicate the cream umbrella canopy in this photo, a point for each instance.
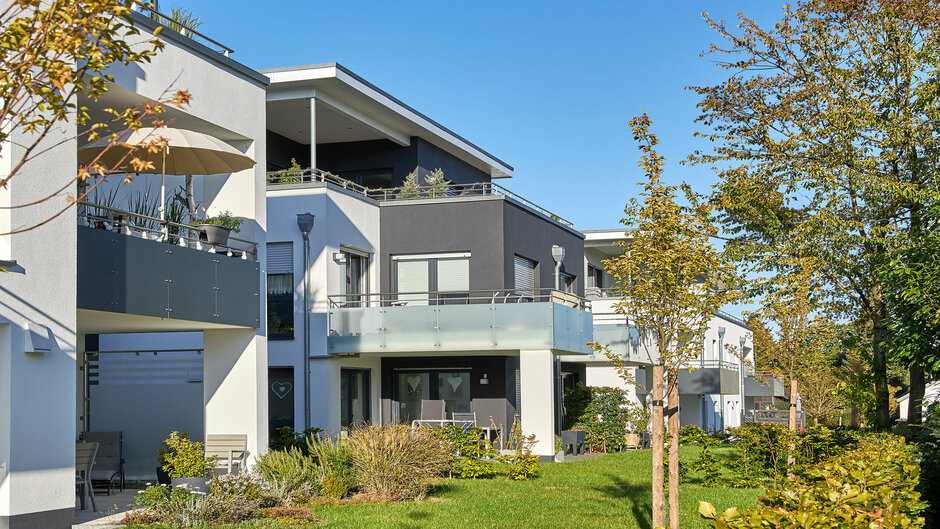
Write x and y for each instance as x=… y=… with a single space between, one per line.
x=187 y=153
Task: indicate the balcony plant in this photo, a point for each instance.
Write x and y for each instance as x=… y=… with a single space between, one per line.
x=220 y=227
x=185 y=462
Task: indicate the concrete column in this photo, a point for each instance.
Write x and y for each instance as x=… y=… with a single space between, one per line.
x=537 y=373
x=235 y=374
x=313 y=132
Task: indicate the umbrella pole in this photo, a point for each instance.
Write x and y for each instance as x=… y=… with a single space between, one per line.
x=163 y=226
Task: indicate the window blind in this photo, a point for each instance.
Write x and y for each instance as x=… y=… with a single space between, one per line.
x=280 y=257
x=453 y=275
x=525 y=274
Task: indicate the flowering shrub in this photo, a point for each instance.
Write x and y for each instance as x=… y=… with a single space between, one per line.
x=249 y=486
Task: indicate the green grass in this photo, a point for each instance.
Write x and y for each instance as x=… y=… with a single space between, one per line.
x=609 y=491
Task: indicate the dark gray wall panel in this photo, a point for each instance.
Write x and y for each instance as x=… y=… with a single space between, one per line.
x=118 y=273
x=531 y=235
x=431 y=157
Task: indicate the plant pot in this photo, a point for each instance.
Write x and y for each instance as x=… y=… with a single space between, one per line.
x=193 y=484
x=631 y=440
x=560 y=456
x=162 y=477
x=216 y=234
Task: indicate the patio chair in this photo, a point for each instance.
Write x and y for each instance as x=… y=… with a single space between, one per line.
x=465 y=420
x=84 y=462
x=230 y=450
x=109 y=462
x=432 y=410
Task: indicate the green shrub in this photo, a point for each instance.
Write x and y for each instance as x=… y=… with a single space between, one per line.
x=334 y=466
x=473 y=455
x=869 y=486
x=764 y=449
x=180 y=507
x=249 y=486
x=926 y=438
x=396 y=462
x=691 y=434
x=521 y=464
x=224 y=219
x=182 y=457
x=288 y=473
x=601 y=412
x=285 y=437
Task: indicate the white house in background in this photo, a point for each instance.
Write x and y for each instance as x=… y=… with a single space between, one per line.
x=714 y=392
x=98 y=273
x=931 y=395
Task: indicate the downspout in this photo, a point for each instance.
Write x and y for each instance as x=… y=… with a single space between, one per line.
x=557 y=275
x=305 y=223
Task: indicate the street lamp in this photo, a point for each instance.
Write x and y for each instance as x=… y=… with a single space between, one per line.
x=305 y=223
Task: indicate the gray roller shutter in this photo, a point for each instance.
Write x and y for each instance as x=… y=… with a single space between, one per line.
x=525 y=275
x=280 y=258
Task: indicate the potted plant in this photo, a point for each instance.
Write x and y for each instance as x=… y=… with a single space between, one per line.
x=220 y=227
x=638 y=419
x=185 y=462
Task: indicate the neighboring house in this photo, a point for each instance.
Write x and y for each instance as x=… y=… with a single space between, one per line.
x=715 y=390
x=91 y=273
x=931 y=396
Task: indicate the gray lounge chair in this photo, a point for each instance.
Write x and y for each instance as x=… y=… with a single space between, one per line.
x=230 y=450
x=432 y=410
x=109 y=463
x=84 y=462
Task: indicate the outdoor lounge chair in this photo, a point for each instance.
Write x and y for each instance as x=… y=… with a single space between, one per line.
x=230 y=450
x=84 y=462
x=109 y=462
x=432 y=410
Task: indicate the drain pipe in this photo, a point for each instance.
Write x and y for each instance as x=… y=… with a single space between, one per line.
x=305 y=223
x=558 y=254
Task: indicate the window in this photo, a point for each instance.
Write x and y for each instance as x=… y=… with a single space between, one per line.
x=595 y=277
x=354 y=402
x=566 y=282
x=356 y=276
x=526 y=280
x=447 y=275
x=280 y=399
x=280 y=290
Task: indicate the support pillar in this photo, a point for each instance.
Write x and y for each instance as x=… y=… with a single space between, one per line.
x=235 y=374
x=537 y=373
x=313 y=132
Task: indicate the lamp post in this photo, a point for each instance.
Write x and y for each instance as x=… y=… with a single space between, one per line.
x=558 y=254
x=743 y=342
x=305 y=223
x=721 y=396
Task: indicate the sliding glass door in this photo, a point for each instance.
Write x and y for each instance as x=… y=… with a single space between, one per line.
x=413 y=386
x=354 y=401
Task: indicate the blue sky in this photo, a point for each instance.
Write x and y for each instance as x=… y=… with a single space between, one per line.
x=548 y=87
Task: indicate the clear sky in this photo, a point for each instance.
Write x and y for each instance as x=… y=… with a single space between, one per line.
x=548 y=87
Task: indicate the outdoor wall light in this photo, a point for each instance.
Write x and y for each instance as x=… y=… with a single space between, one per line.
x=484 y=381
x=339 y=257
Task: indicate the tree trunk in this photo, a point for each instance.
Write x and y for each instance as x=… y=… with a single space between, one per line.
x=879 y=365
x=674 y=450
x=915 y=404
x=791 y=456
x=853 y=417
x=191 y=206
x=656 y=422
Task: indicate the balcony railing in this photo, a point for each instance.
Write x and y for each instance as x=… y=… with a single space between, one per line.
x=775 y=417
x=300 y=176
x=168 y=22
x=150 y=228
x=710 y=364
x=479 y=320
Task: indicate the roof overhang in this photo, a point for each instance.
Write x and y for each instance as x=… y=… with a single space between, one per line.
x=344 y=97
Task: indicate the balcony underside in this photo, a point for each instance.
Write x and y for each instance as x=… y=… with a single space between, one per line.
x=464 y=328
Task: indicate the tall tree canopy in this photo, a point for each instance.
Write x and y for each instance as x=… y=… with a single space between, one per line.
x=825 y=138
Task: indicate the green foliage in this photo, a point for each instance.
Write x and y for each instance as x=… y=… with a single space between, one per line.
x=410 y=187
x=182 y=457
x=436 y=183
x=522 y=464
x=334 y=466
x=869 y=486
x=288 y=473
x=224 y=219
x=396 y=462
x=285 y=437
x=691 y=434
x=601 y=413
x=248 y=486
x=473 y=455
x=926 y=438
x=180 y=507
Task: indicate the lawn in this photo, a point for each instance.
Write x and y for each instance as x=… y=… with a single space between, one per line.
x=607 y=491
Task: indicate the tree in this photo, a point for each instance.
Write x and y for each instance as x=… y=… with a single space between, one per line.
x=825 y=131
x=51 y=53
x=666 y=279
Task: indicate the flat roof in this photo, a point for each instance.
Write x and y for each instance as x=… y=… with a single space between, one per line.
x=343 y=89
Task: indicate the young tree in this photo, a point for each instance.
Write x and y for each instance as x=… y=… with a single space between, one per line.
x=51 y=54
x=826 y=134
x=667 y=280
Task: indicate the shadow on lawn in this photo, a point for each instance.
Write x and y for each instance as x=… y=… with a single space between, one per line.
x=637 y=496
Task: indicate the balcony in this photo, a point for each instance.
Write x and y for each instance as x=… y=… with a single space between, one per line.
x=130 y=263
x=763 y=384
x=497 y=320
x=710 y=377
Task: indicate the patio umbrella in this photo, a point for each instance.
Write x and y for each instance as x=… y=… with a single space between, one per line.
x=187 y=153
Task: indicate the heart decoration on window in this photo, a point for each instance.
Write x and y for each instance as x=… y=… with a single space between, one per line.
x=454 y=382
x=281 y=389
x=414 y=381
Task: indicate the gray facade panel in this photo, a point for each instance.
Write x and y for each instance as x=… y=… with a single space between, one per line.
x=55 y=519
x=118 y=273
x=530 y=235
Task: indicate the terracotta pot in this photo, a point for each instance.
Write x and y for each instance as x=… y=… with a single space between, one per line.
x=632 y=440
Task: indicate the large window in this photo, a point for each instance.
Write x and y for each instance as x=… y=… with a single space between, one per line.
x=280 y=291
x=595 y=277
x=356 y=272
x=447 y=275
x=413 y=386
x=354 y=402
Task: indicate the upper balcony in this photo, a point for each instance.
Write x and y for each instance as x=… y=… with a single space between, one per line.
x=710 y=377
x=763 y=384
x=131 y=263
x=302 y=177
x=492 y=320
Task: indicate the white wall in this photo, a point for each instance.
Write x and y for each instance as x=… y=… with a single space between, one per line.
x=341 y=218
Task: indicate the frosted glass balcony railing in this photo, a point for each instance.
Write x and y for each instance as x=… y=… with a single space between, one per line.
x=459 y=321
